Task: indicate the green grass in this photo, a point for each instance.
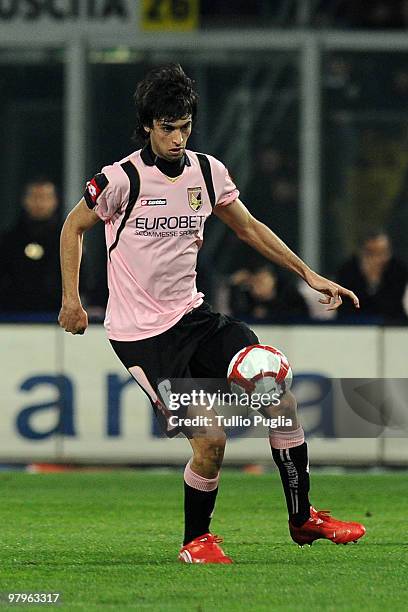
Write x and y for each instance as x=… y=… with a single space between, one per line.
x=110 y=541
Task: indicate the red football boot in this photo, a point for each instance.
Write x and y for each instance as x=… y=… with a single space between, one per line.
x=322 y=525
x=204 y=549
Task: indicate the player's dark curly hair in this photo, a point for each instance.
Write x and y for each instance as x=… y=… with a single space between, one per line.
x=167 y=93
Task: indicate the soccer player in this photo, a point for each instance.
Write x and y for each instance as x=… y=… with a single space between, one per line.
x=154 y=204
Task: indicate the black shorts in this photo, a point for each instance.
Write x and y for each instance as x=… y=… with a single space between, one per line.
x=201 y=345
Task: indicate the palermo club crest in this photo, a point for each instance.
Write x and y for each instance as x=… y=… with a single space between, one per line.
x=195 y=200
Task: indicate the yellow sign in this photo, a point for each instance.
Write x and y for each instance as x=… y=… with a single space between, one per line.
x=169 y=15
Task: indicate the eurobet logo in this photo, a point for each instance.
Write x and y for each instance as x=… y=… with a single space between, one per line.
x=31 y=10
x=170 y=223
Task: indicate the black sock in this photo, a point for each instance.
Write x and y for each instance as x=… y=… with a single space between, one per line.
x=293 y=468
x=198 y=508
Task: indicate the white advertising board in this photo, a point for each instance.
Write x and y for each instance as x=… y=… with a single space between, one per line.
x=67 y=398
x=54 y=20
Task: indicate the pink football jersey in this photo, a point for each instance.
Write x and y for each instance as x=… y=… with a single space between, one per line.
x=154 y=228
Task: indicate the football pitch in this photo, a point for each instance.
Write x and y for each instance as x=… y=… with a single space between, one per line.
x=109 y=541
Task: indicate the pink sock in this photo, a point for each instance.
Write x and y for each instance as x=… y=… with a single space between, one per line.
x=199 y=482
x=286 y=439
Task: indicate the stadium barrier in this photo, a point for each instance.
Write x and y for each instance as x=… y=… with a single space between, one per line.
x=68 y=399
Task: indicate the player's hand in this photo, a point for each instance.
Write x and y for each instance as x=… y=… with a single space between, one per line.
x=332 y=291
x=73 y=318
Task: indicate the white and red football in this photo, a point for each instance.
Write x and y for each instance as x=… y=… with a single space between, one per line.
x=259 y=369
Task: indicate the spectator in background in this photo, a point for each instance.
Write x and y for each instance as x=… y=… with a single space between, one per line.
x=273 y=191
x=378 y=278
x=29 y=253
x=261 y=295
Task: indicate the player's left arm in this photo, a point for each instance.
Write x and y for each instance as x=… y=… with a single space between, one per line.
x=265 y=241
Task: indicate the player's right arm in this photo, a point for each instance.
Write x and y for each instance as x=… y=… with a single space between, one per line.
x=72 y=316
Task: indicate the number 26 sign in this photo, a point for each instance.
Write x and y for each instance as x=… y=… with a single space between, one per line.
x=170 y=15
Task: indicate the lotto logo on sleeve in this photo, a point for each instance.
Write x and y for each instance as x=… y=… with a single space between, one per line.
x=94 y=188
